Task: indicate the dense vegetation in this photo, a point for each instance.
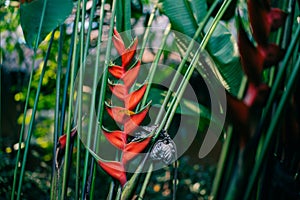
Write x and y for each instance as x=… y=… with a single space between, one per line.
x=144 y=99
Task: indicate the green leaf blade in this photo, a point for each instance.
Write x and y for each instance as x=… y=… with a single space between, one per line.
x=30 y=15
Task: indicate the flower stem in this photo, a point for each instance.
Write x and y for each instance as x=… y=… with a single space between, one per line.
x=73 y=66
x=171 y=110
x=147 y=31
x=32 y=119
x=99 y=42
x=275 y=118
x=26 y=106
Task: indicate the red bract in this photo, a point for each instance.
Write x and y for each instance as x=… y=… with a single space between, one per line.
x=255 y=59
x=128 y=77
x=115 y=170
x=252 y=58
x=63 y=139
x=61 y=146
x=125 y=115
x=263 y=19
x=256 y=95
x=240 y=112
x=116 y=138
x=133 y=148
x=130 y=100
x=126 y=54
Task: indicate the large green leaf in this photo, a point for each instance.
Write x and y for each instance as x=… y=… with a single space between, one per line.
x=30 y=13
x=185 y=16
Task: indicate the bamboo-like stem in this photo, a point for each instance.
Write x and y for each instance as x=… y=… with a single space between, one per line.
x=103 y=87
x=30 y=128
x=26 y=106
x=56 y=112
x=73 y=66
x=80 y=87
x=225 y=152
x=278 y=80
x=93 y=164
x=77 y=179
x=101 y=21
x=182 y=63
x=22 y=133
x=147 y=31
x=271 y=130
x=155 y=64
x=145 y=183
x=88 y=183
x=179 y=93
x=171 y=110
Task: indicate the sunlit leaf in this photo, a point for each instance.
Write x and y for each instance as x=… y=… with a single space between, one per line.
x=30 y=15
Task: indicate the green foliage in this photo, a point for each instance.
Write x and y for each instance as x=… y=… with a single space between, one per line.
x=55 y=14
x=195 y=181
x=185 y=17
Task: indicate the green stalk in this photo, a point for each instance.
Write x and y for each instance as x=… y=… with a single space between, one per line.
x=94 y=89
x=1 y=61
x=73 y=66
x=92 y=192
x=105 y=69
x=105 y=77
x=67 y=75
x=80 y=87
x=147 y=31
x=32 y=119
x=57 y=113
x=127 y=19
x=179 y=93
x=279 y=77
x=225 y=153
x=171 y=110
x=201 y=26
x=21 y=134
x=77 y=180
x=103 y=86
x=145 y=183
x=271 y=130
x=123 y=20
x=86 y=52
x=26 y=104
x=155 y=64
x=101 y=19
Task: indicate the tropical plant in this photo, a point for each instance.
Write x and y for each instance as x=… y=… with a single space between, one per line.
x=241 y=58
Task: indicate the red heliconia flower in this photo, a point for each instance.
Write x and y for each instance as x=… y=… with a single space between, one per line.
x=255 y=59
x=126 y=54
x=130 y=100
x=128 y=77
x=241 y=112
x=115 y=170
x=133 y=148
x=61 y=146
x=256 y=95
x=126 y=116
x=117 y=138
x=238 y=110
x=264 y=19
